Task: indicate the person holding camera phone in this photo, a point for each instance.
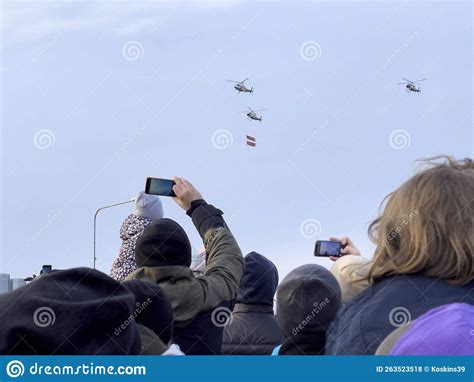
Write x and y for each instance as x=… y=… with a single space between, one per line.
x=424 y=257
x=163 y=256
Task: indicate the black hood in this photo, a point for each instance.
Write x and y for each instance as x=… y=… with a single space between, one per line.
x=259 y=281
x=307 y=301
x=80 y=311
x=163 y=243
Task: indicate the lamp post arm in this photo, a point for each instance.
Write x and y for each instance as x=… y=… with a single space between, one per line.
x=95 y=221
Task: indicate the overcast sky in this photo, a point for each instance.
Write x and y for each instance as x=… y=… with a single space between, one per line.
x=98 y=96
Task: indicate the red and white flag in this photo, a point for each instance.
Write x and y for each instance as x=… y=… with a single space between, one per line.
x=251 y=141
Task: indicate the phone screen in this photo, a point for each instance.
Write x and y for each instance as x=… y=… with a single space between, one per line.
x=328 y=248
x=158 y=186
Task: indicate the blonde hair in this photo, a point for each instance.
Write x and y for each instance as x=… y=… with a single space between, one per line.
x=427 y=224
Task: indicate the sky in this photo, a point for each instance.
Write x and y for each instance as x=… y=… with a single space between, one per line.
x=97 y=96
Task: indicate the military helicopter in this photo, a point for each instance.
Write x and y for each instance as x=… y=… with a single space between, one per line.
x=252 y=114
x=240 y=87
x=411 y=85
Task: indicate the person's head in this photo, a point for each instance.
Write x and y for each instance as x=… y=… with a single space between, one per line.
x=427 y=225
x=163 y=243
x=81 y=311
x=446 y=330
x=308 y=300
x=259 y=281
x=148 y=206
x=351 y=272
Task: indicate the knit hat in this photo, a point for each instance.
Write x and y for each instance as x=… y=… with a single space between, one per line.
x=308 y=299
x=259 y=281
x=347 y=269
x=78 y=311
x=163 y=243
x=446 y=330
x=148 y=206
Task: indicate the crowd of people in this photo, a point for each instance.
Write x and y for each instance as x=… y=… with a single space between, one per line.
x=415 y=296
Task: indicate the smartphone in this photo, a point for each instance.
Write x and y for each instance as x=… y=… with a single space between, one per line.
x=156 y=186
x=327 y=248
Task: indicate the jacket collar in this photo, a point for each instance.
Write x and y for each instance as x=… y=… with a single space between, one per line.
x=245 y=308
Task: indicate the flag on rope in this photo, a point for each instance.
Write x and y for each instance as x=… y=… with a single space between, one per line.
x=251 y=141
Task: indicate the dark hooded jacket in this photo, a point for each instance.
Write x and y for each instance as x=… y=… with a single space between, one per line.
x=199 y=304
x=253 y=328
x=82 y=311
x=308 y=300
x=364 y=322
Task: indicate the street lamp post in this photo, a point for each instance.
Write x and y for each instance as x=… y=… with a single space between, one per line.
x=95 y=221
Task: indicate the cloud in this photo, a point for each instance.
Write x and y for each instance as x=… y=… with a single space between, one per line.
x=26 y=21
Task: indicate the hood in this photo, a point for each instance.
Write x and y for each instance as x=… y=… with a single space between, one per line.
x=259 y=281
x=307 y=301
x=78 y=304
x=163 y=243
x=132 y=226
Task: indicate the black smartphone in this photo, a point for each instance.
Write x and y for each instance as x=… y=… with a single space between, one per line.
x=156 y=186
x=327 y=248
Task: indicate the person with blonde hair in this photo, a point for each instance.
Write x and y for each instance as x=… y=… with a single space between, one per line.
x=424 y=257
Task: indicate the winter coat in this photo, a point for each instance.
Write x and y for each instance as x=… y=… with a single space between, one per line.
x=254 y=328
x=199 y=302
x=364 y=322
x=131 y=228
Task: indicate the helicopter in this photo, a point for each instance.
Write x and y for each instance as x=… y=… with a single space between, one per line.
x=252 y=114
x=240 y=87
x=411 y=85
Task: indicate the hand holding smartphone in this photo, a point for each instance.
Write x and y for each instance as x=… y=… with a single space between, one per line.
x=327 y=248
x=157 y=186
x=186 y=192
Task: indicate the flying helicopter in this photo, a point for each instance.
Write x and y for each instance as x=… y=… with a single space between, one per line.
x=252 y=114
x=240 y=86
x=411 y=85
